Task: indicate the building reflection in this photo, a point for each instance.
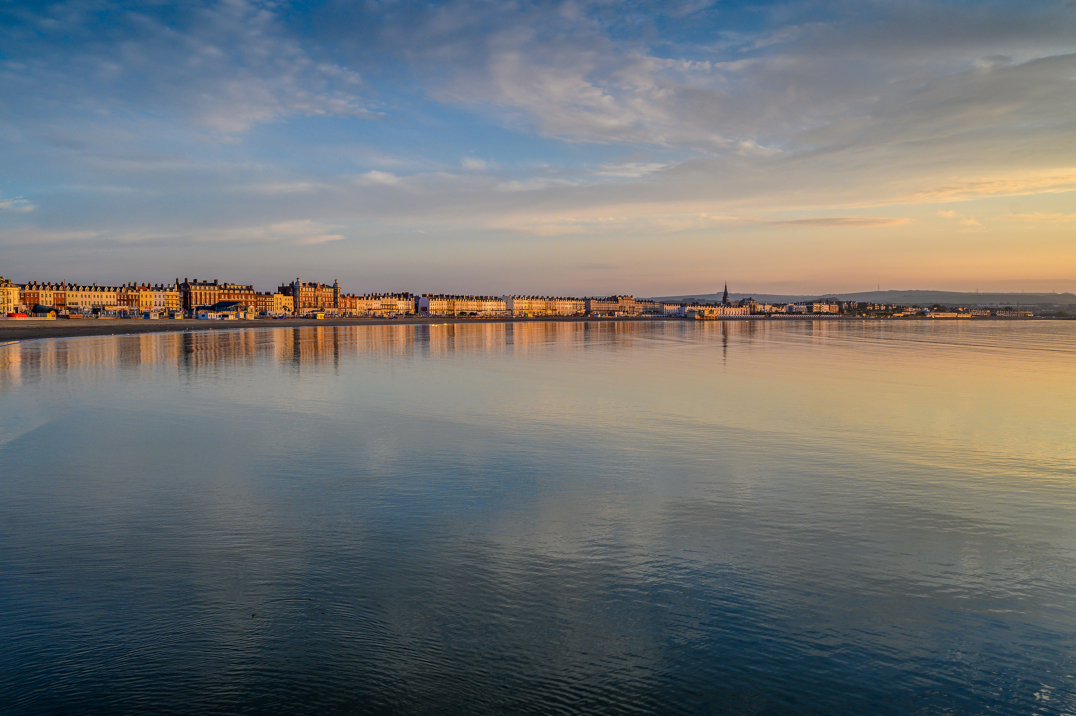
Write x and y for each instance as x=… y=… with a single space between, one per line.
x=195 y=353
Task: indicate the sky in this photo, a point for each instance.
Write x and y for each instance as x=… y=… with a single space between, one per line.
x=572 y=148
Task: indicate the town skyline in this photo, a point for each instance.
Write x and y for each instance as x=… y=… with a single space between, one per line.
x=214 y=299
x=867 y=294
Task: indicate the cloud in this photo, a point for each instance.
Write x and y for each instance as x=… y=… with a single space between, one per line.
x=751 y=148
x=534 y=184
x=283 y=187
x=635 y=219
x=893 y=72
x=28 y=236
x=303 y=232
x=320 y=239
x=375 y=177
x=1044 y=218
x=837 y=222
x=223 y=66
x=628 y=170
x=471 y=164
x=1048 y=183
x=18 y=205
x=783 y=35
x=961 y=218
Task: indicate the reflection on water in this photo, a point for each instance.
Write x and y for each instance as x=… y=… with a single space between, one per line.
x=732 y=517
x=323 y=346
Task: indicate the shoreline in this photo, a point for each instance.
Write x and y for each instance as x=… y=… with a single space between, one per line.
x=12 y=331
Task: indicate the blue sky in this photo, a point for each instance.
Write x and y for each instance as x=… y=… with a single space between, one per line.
x=557 y=147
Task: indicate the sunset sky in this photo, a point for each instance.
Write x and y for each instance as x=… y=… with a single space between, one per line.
x=552 y=147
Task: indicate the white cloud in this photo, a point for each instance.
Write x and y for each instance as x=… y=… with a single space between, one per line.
x=378 y=177
x=283 y=187
x=534 y=184
x=472 y=164
x=304 y=232
x=319 y=239
x=224 y=66
x=889 y=76
x=628 y=170
x=35 y=236
x=18 y=204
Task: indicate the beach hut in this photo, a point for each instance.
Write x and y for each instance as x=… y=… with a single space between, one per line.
x=46 y=312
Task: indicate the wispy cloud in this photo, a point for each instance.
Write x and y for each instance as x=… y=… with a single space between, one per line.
x=33 y=236
x=1051 y=182
x=1045 y=218
x=962 y=219
x=879 y=69
x=319 y=239
x=838 y=222
x=304 y=232
x=628 y=170
x=283 y=187
x=224 y=66
x=374 y=177
x=18 y=205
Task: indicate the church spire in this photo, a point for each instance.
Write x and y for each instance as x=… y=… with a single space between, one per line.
x=725 y=298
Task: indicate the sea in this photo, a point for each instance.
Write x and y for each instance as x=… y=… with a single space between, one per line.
x=666 y=517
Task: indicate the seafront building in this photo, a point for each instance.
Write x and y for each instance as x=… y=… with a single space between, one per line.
x=88 y=299
x=10 y=294
x=718 y=311
x=710 y=311
x=273 y=304
x=441 y=304
x=611 y=306
x=243 y=294
x=197 y=293
x=531 y=306
x=214 y=298
x=311 y=299
x=622 y=306
x=378 y=305
x=44 y=294
x=143 y=298
x=307 y=298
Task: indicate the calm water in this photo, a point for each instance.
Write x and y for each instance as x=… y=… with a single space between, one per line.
x=670 y=517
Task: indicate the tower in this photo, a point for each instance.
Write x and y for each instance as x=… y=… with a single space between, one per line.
x=336 y=294
x=725 y=298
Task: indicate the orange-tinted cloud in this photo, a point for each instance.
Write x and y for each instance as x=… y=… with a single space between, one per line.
x=996 y=186
x=835 y=222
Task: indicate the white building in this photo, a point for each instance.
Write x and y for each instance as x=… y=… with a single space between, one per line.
x=452 y=305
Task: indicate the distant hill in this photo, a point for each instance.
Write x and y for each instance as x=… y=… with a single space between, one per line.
x=906 y=298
